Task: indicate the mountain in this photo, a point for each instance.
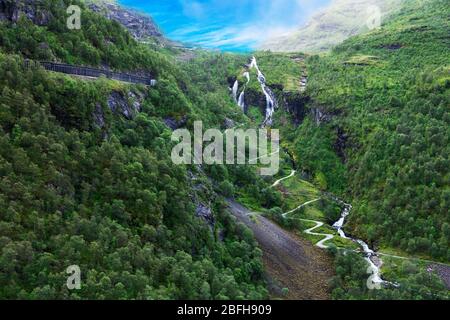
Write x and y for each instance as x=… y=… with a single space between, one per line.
x=141 y=26
x=87 y=178
x=332 y=25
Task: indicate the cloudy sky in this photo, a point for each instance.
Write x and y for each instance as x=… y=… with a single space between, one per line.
x=238 y=25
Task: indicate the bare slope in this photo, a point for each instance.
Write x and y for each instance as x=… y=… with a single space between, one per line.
x=332 y=25
x=290 y=262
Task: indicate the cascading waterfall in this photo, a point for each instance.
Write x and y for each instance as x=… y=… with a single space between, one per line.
x=241 y=100
x=247 y=75
x=270 y=97
x=368 y=253
x=235 y=90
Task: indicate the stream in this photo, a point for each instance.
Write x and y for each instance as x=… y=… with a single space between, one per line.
x=369 y=254
x=270 y=97
x=375 y=263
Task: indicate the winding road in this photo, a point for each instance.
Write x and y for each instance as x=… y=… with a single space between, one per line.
x=321 y=244
x=299 y=207
x=285 y=178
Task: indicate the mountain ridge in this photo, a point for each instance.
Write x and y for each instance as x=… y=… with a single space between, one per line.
x=331 y=26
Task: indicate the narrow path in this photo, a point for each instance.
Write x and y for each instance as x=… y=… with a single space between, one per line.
x=321 y=243
x=319 y=224
x=265 y=156
x=285 y=178
x=299 y=207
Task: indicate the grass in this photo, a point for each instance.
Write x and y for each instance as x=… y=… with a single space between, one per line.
x=326 y=229
x=363 y=60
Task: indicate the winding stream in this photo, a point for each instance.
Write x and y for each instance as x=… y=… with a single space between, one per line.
x=375 y=267
x=369 y=254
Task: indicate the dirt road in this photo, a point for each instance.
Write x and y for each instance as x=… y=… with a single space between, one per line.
x=290 y=262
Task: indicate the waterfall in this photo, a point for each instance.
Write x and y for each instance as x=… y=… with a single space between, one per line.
x=235 y=90
x=270 y=97
x=241 y=101
x=368 y=253
x=247 y=75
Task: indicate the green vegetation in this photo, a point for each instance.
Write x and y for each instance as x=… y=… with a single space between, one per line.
x=85 y=182
x=416 y=283
x=393 y=110
x=86 y=176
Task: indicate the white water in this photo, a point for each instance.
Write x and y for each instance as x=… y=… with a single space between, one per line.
x=235 y=90
x=339 y=226
x=241 y=100
x=247 y=75
x=270 y=97
x=270 y=101
x=368 y=253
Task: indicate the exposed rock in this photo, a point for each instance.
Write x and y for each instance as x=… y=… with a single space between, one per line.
x=204 y=212
x=341 y=144
x=221 y=235
x=229 y=123
x=255 y=98
x=330 y=26
x=393 y=46
x=231 y=81
x=443 y=272
x=175 y=124
x=139 y=25
x=296 y=105
x=128 y=106
x=320 y=116
x=14 y=10
x=99 y=116
x=100 y=121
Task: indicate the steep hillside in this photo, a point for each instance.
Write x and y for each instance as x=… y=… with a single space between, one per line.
x=332 y=25
x=386 y=97
x=87 y=179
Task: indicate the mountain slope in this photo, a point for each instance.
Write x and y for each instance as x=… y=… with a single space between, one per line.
x=86 y=177
x=386 y=97
x=331 y=26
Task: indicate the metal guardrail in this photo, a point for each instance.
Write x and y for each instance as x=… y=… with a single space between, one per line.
x=89 y=72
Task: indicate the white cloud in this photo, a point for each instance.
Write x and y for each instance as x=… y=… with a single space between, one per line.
x=256 y=21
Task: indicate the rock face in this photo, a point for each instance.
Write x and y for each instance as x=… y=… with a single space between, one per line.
x=174 y=124
x=341 y=144
x=13 y=10
x=228 y=123
x=204 y=212
x=128 y=106
x=140 y=26
x=296 y=105
x=321 y=116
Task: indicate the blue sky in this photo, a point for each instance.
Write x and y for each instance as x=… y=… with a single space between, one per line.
x=238 y=25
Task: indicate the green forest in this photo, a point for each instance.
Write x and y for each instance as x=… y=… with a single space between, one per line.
x=86 y=177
